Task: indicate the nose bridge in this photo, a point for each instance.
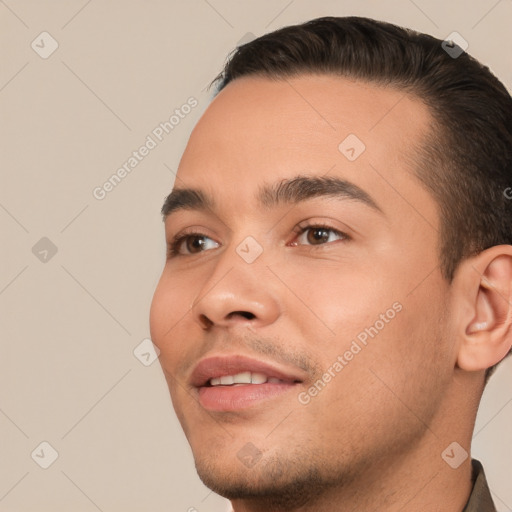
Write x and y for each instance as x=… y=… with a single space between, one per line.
x=236 y=290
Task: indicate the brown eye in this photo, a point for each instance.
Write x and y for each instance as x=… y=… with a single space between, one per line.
x=319 y=235
x=193 y=243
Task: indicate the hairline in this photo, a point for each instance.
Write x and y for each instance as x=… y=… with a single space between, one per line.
x=418 y=155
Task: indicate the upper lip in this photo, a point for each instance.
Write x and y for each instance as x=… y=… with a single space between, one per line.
x=220 y=365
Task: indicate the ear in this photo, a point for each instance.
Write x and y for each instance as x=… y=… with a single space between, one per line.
x=483 y=298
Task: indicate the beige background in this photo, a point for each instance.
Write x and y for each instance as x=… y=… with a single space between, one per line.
x=69 y=325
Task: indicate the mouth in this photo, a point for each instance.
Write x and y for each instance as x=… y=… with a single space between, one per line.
x=230 y=383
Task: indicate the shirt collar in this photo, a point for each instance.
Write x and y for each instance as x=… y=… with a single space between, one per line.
x=480 y=499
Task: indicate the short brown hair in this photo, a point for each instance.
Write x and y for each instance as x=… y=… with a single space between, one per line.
x=466 y=161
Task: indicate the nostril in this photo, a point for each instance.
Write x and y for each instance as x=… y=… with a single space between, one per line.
x=245 y=314
x=205 y=321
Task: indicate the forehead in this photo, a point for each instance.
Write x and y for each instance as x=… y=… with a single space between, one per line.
x=259 y=130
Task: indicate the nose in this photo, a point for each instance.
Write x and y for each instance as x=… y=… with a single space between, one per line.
x=237 y=293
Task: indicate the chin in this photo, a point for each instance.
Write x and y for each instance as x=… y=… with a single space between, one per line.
x=277 y=481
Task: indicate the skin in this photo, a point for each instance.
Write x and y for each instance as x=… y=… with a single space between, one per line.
x=372 y=439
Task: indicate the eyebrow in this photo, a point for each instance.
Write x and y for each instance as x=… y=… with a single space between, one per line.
x=289 y=191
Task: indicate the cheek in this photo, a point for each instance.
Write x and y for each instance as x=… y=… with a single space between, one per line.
x=410 y=360
x=375 y=320
x=169 y=307
x=338 y=300
x=398 y=374
x=167 y=313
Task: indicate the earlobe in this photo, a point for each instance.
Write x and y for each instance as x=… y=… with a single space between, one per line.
x=485 y=295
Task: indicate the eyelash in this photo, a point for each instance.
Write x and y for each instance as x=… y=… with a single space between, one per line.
x=299 y=230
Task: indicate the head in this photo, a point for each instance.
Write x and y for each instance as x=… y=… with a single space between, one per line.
x=344 y=202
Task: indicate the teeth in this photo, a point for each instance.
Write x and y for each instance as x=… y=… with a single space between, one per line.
x=243 y=378
x=227 y=380
x=258 y=378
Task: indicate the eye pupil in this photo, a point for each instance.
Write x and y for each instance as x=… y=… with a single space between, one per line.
x=196 y=242
x=321 y=235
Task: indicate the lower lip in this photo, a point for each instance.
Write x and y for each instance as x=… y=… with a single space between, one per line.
x=232 y=398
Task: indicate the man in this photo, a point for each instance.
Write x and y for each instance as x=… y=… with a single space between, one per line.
x=339 y=274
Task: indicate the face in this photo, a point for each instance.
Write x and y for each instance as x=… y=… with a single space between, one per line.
x=307 y=287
